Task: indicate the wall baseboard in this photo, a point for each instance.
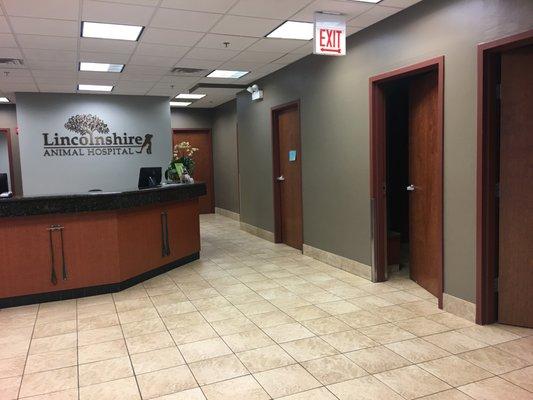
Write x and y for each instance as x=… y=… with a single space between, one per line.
x=227 y=213
x=459 y=307
x=259 y=232
x=346 y=264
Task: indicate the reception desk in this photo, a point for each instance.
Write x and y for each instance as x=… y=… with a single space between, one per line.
x=68 y=246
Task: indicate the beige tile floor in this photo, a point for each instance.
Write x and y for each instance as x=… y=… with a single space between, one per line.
x=252 y=320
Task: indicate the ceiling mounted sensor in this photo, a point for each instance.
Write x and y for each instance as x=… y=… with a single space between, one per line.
x=10 y=62
x=257 y=94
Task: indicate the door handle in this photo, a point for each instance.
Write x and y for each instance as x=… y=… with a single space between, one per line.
x=280 y=178
x=410 y=188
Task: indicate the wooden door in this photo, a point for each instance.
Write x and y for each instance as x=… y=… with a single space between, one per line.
x=516 y=189
x=425 y=213
x=204 y=163
x=288 y=176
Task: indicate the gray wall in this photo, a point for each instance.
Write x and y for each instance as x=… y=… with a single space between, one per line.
x=335 y=127
x=225 y=156
x=134 y=115
x=193 y=118
x=8 y=119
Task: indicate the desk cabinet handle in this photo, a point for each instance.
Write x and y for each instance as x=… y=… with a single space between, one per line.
x=53 y=275
x=165 y=248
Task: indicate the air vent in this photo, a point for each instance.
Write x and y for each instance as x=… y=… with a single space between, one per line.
x=11 y=61
x=184 y=71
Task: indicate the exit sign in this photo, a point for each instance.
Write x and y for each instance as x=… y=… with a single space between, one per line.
x=330 y=35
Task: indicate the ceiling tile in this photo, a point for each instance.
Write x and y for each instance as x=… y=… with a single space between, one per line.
x=289 y=58
x=277 y=9
x=372 y=16
x=170 y=37
x=18 y=87
x=215 y=6
x=7 y=40
x=276 y=45
x=52 y=65
x=241 y=65
x=107 y=46
x=145 y=70
x=112 y=58
x=138 y=77
x=163 y=90
x=245 y=26
x=37 y=26
x=136 y=2
x=99 y=76
x=349 y=8
x=16 y=76
x=305 y=49
x=56 y=9
x=10 y=52
x=50 y=55
x=47 y=42
x=4 y=27
x=213 y=41
x=116 y=13
x=139 y=59
x=211 y=54
x=159 y=50
x=184 y=20
x=58 y=88
x=51 y=75
x=177 y=81
x=257 y=56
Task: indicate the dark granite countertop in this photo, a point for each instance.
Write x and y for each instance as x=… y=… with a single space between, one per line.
x=98 y=201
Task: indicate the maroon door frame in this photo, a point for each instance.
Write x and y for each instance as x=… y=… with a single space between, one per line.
x=7 y=133
x=274 y=111
x=488 y=62
x=378 y=160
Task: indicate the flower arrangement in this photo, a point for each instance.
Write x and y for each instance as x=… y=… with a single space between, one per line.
x=183 y=153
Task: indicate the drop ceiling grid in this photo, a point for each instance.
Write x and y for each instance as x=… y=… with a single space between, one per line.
x=46 y=34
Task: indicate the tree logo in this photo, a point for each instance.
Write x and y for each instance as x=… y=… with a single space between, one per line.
x=86 y=124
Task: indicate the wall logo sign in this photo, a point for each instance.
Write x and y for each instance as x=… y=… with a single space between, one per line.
x=330 y=35
x=90 y=136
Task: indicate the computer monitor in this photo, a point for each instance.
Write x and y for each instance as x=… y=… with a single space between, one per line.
x=4 y=186
x=149 y=177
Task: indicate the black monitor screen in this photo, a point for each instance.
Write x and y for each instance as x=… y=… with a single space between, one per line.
x=149 y=177
x=4 y=187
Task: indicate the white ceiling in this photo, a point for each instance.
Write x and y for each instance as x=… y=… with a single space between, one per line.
x=178 y=33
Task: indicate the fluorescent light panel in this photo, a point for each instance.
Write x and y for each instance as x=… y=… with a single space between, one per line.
x=366 y=1
x=100 y=67
x=190 y=96
x=180 y=103
x=4 y=100
x=96 y=88
x=222 y=73
x=293 y=30
x=111 y=31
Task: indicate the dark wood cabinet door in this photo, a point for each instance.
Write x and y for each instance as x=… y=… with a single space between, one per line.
x=516 y=189
x=425 y=219
x=203 y=171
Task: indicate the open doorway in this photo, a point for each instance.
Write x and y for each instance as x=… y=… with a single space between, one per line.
x=407 y=173
x=505 y=173
x=7 y=182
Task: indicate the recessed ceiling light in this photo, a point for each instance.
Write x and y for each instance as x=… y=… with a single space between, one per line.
x=101 y=67
x=96 y=88
x=222 y=73
x=190 y=96
x=180 y=103
x=111 y=31
x=4 y=100
x=293 y=30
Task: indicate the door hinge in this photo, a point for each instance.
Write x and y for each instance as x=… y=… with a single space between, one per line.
x=496 y=284
x=497 y=190
x=499 y=91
